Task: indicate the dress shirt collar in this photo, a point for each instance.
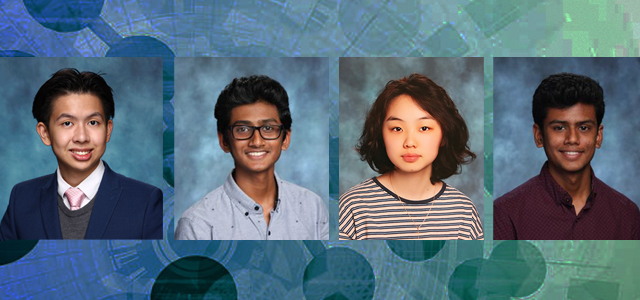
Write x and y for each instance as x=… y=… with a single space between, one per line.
x=243 y=202
x=89 y=186
x=558 y=193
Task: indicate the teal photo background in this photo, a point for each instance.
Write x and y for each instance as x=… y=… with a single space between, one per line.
x=135 y=147
x=362 y=80
x=202 y=166
x=319 y=28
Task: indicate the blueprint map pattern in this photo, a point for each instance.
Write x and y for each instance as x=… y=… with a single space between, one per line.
x=170 y=269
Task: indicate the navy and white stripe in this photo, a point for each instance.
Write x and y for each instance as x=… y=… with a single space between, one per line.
x=369 y=210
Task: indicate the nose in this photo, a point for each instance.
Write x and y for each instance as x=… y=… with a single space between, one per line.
x=409 y=140
x=256 y=140
x=81 y=135
x=572 y=137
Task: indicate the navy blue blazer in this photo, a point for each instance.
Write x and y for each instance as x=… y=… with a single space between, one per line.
x=124 y=208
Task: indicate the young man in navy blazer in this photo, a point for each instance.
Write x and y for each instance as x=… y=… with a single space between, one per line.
x=84 y=198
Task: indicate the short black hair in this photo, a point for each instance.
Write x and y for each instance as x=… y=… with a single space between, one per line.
x=432 y=98
x=250 y=90
x=71 y=81
x=564 y=90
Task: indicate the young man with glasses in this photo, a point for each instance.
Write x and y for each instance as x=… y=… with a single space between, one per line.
x=254 y=125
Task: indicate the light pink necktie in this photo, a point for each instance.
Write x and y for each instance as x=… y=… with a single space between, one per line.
x=75 y=196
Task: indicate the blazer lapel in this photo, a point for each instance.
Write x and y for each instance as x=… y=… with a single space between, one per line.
x=49 y=208
x=106 y=201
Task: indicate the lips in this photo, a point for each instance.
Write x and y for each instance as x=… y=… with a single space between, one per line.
x=256 y=154
x=411 y=157
x=571 y=154
x=81 y=154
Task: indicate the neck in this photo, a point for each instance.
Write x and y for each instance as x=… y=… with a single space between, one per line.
x=75 y=178
x=414 y=185
x=261 y=187
x=577 y=184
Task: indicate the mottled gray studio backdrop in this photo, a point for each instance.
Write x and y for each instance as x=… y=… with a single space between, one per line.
x=516 y=157
x=362 y=79
x=200 y=164
x=135 y=148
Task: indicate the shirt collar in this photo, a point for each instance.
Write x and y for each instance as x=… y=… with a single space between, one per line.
x=558 y=193
x=89 y=186
x=244 y=202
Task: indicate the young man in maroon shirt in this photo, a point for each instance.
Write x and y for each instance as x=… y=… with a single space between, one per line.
x=566 y=200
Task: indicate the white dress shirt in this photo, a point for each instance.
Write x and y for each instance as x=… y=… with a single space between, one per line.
x=89 y=186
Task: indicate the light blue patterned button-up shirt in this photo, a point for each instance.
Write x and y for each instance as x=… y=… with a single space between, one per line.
x=227 y=213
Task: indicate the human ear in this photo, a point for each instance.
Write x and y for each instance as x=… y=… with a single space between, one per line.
x=286 y=140
x=43 y=132
x=225 y=147
x=109 y=129
x=537 y=136
x=599 y=137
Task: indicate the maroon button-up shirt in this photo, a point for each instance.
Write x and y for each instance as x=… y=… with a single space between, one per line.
x=540 y=209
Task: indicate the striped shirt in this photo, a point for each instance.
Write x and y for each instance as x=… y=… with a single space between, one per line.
x=369 y=210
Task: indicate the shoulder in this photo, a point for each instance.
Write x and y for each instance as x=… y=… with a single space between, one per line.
x=519 y=194
x=456 y=199
x=616 y=198
x=451 y=193
x=360 y=191
x=133 y=184
x=29 y=189
x=297 y=192
x=209 y=205
x=310 y=204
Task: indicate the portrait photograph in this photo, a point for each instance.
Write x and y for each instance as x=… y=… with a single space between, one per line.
x=251 y=148
x=88 y=130
x=565 y=130
x=411 y=148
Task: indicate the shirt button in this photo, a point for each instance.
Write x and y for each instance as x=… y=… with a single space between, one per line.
x=246 y=214
x=269 y=232
x=256 y=208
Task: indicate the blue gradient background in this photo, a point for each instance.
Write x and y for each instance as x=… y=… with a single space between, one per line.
x=202 y=166
x=362 y=79
x=516 y=157
x=135 y=147
x=317 y=28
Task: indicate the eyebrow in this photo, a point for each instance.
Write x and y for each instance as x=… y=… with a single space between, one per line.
x=426 y=117
x=263 y=121
x=567 y=122
x=65 y=115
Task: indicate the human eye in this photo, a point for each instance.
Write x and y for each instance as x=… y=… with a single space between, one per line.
x=425 y=128
x=66 y=124
x=396 y=129
x=268 y=128
x=557 y=128
x=584 y=128
x=241 y=129
x=93 y=123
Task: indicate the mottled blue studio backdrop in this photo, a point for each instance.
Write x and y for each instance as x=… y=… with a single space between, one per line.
x=135 y=148
x=516 y=157
x=200 y=164
x=362 y=79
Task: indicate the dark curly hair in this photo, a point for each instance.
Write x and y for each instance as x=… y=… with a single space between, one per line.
x=565 y=90
x=432 y=98
x=71 y=81
x=249 y=90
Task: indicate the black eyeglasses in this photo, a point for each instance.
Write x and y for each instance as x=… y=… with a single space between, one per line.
x=245 y=132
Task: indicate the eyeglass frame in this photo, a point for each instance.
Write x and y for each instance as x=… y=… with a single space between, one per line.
x=253 y=131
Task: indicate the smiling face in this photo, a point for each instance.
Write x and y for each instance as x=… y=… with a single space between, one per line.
x=255 y=155
x=570 y=137
x=78 y=134
x=412 y=137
